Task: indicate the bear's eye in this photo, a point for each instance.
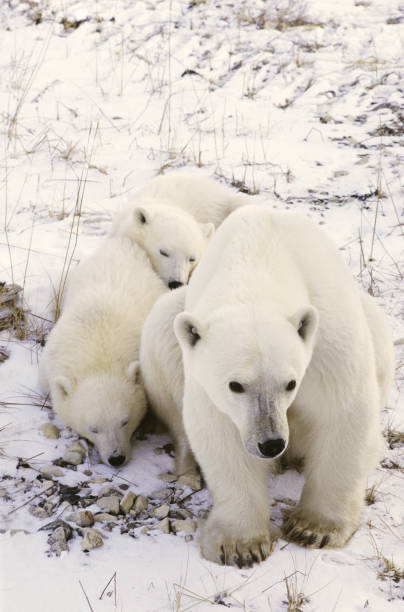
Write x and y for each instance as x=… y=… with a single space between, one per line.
x=92 y=429
x=236 y=387
x=164 y=253
x=291 y=385
x=192 y=259
x=124 y=421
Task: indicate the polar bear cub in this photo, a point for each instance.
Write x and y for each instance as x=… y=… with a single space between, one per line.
x=173 y=218
x=282 y=353
x=162 y=373
x=90 y=362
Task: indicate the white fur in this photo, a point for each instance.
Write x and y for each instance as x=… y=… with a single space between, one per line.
x=265 y=276
x=90 y=361
x=162 y=374
x=173 y=218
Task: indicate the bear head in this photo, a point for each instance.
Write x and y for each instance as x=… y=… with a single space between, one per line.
x=172 y=238
x=250 y=362
x=104 y=408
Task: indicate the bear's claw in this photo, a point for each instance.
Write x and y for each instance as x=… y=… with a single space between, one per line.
x=227 y=550
x=305 y=531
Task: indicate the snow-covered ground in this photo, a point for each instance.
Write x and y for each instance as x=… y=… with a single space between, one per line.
x=299 y=102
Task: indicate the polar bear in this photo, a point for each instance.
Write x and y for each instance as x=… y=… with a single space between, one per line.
x=162 y=373
x=90 y=364
x=282 y=352
x=173 y=218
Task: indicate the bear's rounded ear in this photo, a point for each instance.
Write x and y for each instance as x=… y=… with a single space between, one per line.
x=133 y=371
x=141 y=215
x=208 y=229
x=306 y=322
x=64 y=385
x=187 y=328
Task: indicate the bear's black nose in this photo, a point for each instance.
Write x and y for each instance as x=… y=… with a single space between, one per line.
x=116 y=460
x=174 y=284
x=271 y=448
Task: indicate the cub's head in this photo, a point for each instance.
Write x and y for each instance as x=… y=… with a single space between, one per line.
x=104 y=408
x=172 y=238
x=250 y=363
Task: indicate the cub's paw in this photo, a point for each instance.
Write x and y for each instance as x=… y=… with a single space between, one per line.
x=221 y=546
x=305 y=530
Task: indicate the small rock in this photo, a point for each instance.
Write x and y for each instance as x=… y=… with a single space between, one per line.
x=107 y=491
x=145 y=530
x=158 y=451
x=110 y=504
x=164 y=525
x=141 y=504
x=50 y=431
x=104 y=517
x=59 y=547
x=3 y=492
x=82 y=518
x=77 y=447
x=92 y=539
x=38 y=512
x=190 y=480
x=73 y=457
x=87 y=473
x=162 y=511
x=49 y=508
x=186 y=525
x=98 y=480
x=60 y=534
x=124 y=487
x=189 y=537
x=14 y=532
x=127 y=502
x=167 y=477
x=162 y=494
x=51 y=470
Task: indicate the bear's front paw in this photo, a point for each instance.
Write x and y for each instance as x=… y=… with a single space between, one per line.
x=218 y=544
x=303 y=529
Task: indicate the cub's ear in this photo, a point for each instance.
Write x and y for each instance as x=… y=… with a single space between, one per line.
x=208 y=229
x=141 y=215
x=306 y=322
x=188 y=329
x=133 y=372
x=64 y=385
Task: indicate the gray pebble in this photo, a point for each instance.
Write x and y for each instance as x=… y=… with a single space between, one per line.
x=141 y=504
x=51 y=470
x=162 y=494
x=164 y=525
x=104 y=517
x=108 y=490
x=77 y=447
x=167 y=477
x=92 y=539
x=127 y=502
x=38 y=512
x=82 y=518
x=110 y=504
x=193 y=481
x=50 y=431
x=186 y=525
x=162 y=511
x=73 y=457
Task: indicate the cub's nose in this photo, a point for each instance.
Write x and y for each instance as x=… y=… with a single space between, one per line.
x=272 y=448
x=116 y=460
x=174 y=284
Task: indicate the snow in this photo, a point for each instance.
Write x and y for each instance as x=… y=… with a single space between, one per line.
x=298 y=101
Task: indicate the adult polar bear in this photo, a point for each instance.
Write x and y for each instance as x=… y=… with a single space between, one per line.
x=90 y=362
x=173 y=218
x=281 y=351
